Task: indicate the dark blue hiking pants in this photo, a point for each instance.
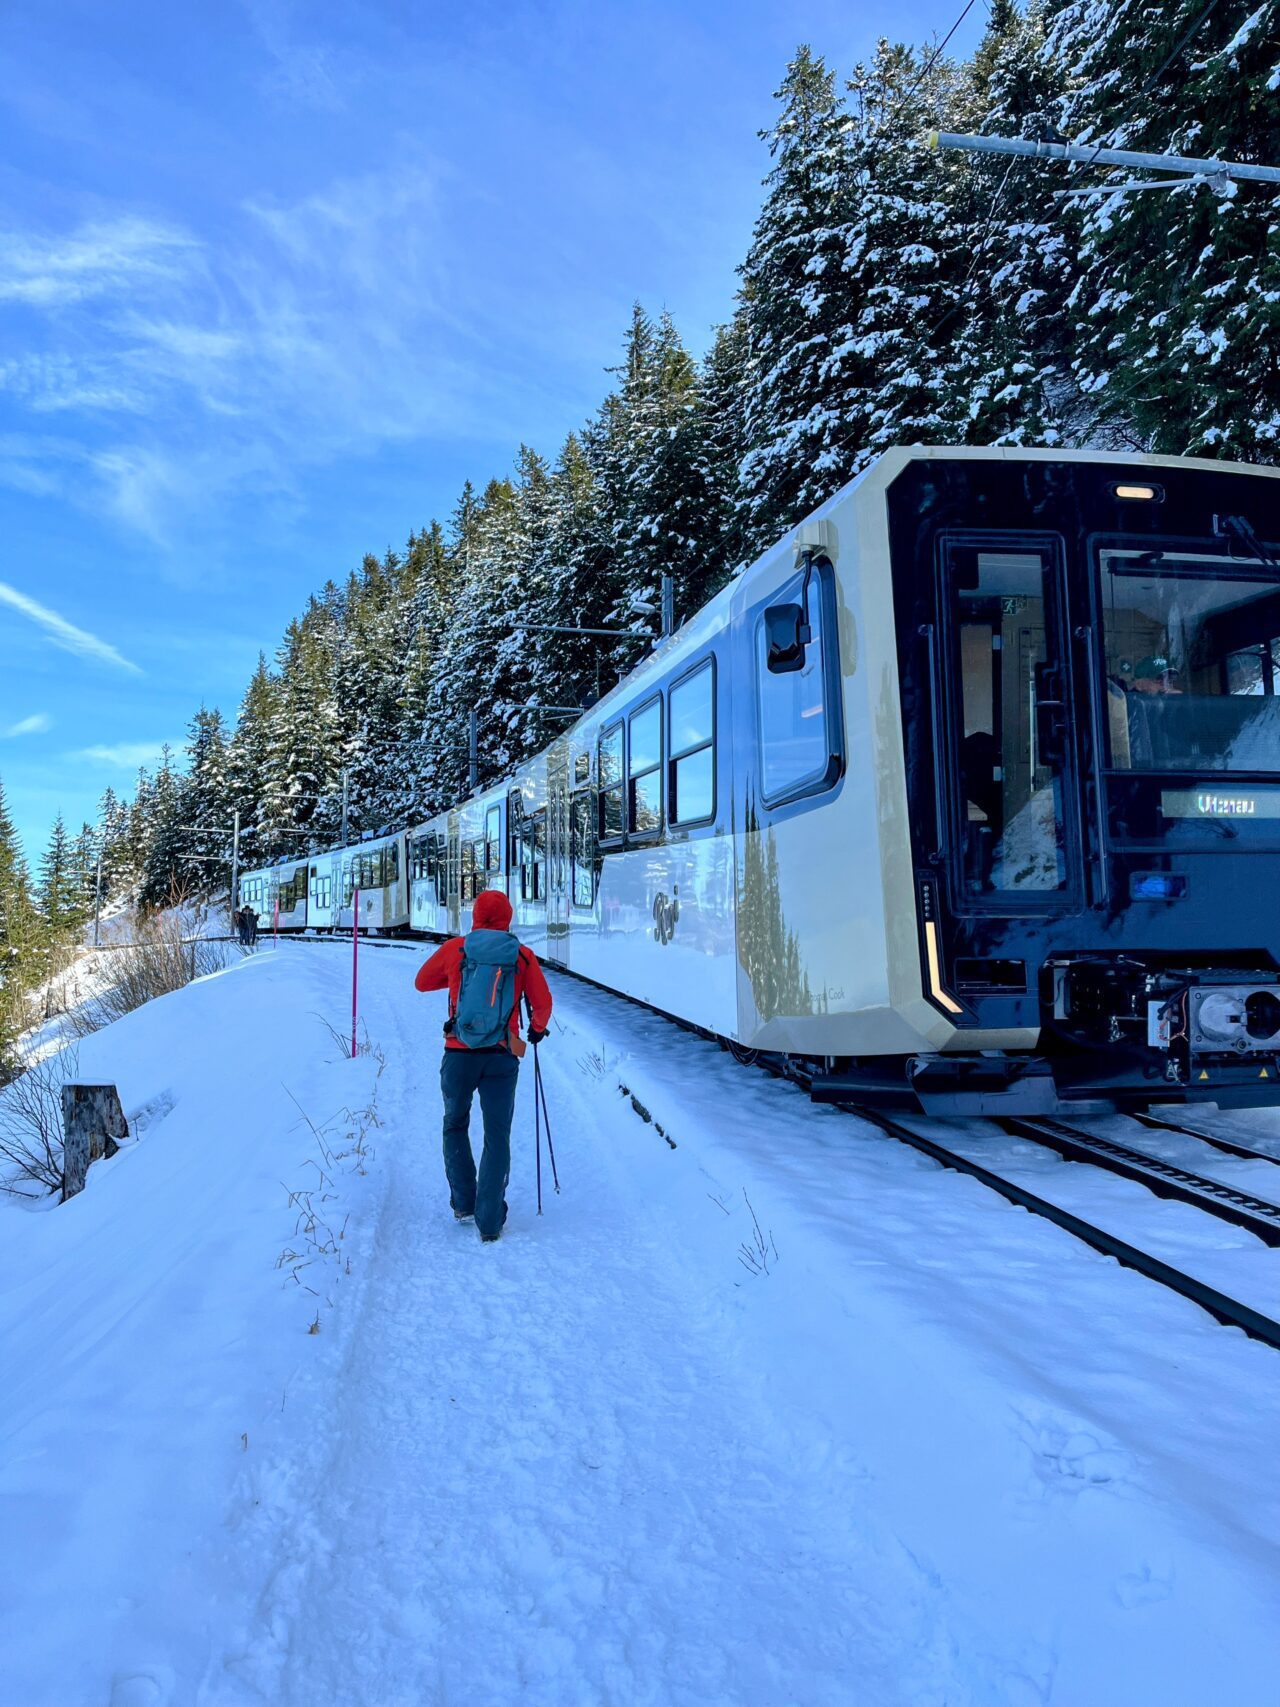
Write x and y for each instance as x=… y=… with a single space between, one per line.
x=492 y=1072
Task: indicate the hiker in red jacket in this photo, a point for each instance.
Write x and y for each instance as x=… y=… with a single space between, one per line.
x=487 y=973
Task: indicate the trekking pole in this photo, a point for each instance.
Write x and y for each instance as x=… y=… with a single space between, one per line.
x=540 y=1094
x=537 y=1127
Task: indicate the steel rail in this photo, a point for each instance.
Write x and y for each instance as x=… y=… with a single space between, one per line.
x=1255 y=1214
x=1223 y=1308
x=1232 y=1146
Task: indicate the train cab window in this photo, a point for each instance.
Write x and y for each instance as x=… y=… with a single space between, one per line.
x=611 y=785
x=644 y=770
x=1192 y=660
x=800 y=742
x=493 y=839
x=582 y=849
x=691 y=725
x=1011 y=722
x=420 y=858
x=391 y=863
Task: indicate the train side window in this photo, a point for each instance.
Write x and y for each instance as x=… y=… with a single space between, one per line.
x=582 y=768
x=644 y=770
x=612 y=788
x=582 y=843
x=538 y=849
x=691 y=725
x=800 y=745
x=391 y=857
x=493 y=839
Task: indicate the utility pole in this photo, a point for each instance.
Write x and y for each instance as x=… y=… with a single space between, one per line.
x=346 y=792
x=1218 y=173
x=668 y=606
x=473 y=749
x=97 y=902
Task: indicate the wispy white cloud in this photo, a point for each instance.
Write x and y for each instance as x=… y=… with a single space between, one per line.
x=36 y=724
x=65 y=634
x=102 y=258
x=126 y=755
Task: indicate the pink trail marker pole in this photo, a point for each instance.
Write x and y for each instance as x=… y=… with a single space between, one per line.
x=355 y=967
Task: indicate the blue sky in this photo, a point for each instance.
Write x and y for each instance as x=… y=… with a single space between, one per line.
x=274 y=279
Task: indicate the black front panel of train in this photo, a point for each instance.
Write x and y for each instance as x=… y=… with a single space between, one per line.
x=1090 y=669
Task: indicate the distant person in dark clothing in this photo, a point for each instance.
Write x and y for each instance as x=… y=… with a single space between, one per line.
x=250 y=928
x=487 y=975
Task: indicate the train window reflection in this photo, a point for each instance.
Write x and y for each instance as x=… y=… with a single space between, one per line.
x=691 y=725
x=1192 y=661
x=644 y=761
x=796 y=742
x=611 y=784
x=583 y=851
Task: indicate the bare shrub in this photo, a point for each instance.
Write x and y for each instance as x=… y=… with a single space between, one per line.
x=158 y=960
x=31 y=1126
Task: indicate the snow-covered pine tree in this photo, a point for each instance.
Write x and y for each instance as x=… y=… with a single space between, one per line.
x=1177 y=307
x=664 y=527
x=904 y=261
x=249 y=767
x=23 y=938
x=566 y=669
x=84 y=866
x=113 y=842
x=801 y=436
x=206 y=808
x=58 y=891
x=429 y=598
x=1008 y=379
x=167 y=874
x=454 y=687
x=722 y=446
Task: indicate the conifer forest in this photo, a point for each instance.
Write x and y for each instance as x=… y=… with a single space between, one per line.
x=890 y=295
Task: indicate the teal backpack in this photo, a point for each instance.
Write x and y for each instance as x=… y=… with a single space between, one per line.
x=487 y=995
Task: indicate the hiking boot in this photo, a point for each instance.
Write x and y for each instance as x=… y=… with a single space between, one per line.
x=459 y=1216
x=490 y=1238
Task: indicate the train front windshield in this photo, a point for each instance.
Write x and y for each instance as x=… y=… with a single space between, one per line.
x=1192 y=660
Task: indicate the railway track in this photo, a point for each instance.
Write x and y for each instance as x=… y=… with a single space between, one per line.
x=1231 y=1312
x=1231 y=1146
x=1257 y=1215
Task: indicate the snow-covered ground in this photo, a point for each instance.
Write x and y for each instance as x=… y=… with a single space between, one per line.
x=922 y=1448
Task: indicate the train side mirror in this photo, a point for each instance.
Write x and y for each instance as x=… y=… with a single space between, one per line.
x=788 y=634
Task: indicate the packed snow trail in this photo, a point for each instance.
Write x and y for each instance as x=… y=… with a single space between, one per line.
x=549 y=1482
x=910 y=1447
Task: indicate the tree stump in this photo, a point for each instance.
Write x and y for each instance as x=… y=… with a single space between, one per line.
x=92 y=1121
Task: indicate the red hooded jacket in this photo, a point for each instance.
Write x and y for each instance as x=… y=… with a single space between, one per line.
x=491 y=912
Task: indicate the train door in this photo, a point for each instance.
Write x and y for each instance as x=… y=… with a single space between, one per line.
x=558 y=856
x=1009 y=725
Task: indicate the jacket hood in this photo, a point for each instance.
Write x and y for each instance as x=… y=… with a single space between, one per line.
x=491 y=912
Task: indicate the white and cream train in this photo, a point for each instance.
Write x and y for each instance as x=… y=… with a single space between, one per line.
x=964 y=796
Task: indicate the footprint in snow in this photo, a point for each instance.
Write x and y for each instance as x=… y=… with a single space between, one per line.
x=1067 y=1459
x=142 y=1689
